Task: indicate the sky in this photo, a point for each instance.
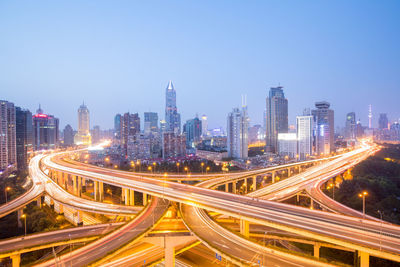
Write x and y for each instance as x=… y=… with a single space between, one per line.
x=118 y=56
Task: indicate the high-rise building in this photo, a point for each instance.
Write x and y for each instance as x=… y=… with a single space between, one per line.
x=383 y=121
x=305 y=129
x=96 y=134
x=83 y=136
x=24 y=136
x=45 y=130
x=117 y=126
x=204 y=126
x=8 y=149
x=172 y=117
x=350 y=131
x=237 y=129
x=287 y=144
x=370 y=117
x=324 y=128
x=68 y=135
x=276 y=117
x=130 y=126
x=150 y=122
x=193 y=130
x=173 y=145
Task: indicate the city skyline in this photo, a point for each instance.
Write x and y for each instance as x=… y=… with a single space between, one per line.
x=315 y=61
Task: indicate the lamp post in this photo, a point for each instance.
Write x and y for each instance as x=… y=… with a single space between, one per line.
x=207 y=169
x=5 y=192
x=150 y=169
x=333 y=190
x=186 y=170
x=154 y=165
x=362 y=195
x=177 y=166
x=202 y=167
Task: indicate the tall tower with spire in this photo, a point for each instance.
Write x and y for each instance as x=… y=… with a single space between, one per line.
x=172 y=117
x=370 y=117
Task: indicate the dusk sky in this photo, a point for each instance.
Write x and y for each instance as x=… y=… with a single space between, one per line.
x=118 y=56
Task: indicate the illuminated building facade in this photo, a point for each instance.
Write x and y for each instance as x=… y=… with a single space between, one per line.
x=237 y=129
x=83 y=136
x=45 y=130
x=172 y=117
x=287 y=144
x=324 y=128
x=8 y=151
x=24 y=136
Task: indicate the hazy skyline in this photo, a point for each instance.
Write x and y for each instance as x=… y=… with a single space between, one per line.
x=119 y=57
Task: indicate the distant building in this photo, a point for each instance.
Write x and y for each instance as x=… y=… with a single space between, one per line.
x=324 y=128
x=139 y=146
x=359 y=130
x=173 y=145
x=350 y=130
x=204 y=126
x=68 y=135
x=24 y=136
x=305 y=127
x=383 y=121
x=45 y=129
x=8 y=148
x=276 y=117
x=96 y=134
x=193 y=130
x=172 y=117
x=130 y=126
x=237 y=129
x=117 y=126
x=287 y=144
x=83 y=137
x=150 y=122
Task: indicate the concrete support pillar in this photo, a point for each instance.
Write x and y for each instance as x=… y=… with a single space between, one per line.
x=39 y=202
x=60 y=208
x=19 y=214
x=273 y=177
x=244 y=228
x=125 y=192
x=75 y=185
x=131 y=197
x=79 y=217
x=227 y=187
x=144 y=199
x=254 y=183
x=316 y=250
x=234 y=187
x=16 y=260
x=169 y=254
x=79 y=186
x=96 y=190
x=364 y=259
x=101 y=191
x=245 y=185
x=312 y=204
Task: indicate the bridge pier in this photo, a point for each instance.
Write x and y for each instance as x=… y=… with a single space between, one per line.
x=75 y=185
x=16 y=260
x=131 y=197
x=145 y=199
x=125 y=196
x=244 y=228
x=317 y=247
x=245 y=185
x=39 y=201
x=227 y=187
x=169 y=254
x=234 y=187
x=364 y=259
x=254 y=186
x=273 y=177
x=19 y=214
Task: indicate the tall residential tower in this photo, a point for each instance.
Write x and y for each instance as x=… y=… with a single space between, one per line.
x=172 y=117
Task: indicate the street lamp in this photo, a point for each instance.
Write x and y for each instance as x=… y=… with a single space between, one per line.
x=202 y=166
x=150 y=169
x=186 y=170
x=362 y=195
x=207 y=169
x=177 y=166
x=24 y=217
x=5 y=192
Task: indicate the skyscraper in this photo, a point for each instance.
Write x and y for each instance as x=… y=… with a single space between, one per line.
x=276 y=117
x=117 y=126
x=24 y=136
x=351 y=126
x=237 y=128
x=173 y=145
x=204 y=125
x=130 y=126
x=83 y=136
x=193 y=130
x=8 y=149
x=172 y=117
x=370 y=117
x=150 y=122
x=45 y=131
x=68 y=135
x=304 y=136
x=96 y=134
x=383 y=121
x=324 y=128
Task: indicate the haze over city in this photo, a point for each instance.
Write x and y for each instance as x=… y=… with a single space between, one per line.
x=119 y=57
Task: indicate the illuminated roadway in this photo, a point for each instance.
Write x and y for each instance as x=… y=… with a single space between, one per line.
x=364 y=235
